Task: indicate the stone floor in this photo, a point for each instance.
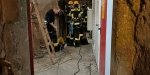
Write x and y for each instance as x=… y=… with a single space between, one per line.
x=66 y=62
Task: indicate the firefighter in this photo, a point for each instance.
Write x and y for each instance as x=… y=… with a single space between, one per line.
x=76 y=25
x=50 y=19
x=83 y=28
x=69 y=38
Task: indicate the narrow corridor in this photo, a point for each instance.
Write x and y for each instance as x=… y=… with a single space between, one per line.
x=68 y=60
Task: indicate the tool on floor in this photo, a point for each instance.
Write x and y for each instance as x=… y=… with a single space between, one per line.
x=44 y=31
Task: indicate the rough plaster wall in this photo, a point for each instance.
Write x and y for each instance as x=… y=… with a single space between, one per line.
x=142 y=38
x=9 y=11
x=14 y=37
x=43 y=4
x=131 y=38
x=48 y=6
x=36 y=38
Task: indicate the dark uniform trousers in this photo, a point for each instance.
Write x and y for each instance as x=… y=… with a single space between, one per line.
x=53 y=36
x=83 y=38
x=76 y=30
x=52 y=33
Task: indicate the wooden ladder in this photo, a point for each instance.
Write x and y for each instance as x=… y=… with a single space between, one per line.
x=44 y=31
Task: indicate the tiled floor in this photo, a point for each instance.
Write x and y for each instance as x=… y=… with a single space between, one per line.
x=67 y=60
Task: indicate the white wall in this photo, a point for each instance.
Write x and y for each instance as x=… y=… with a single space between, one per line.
x=96 y=32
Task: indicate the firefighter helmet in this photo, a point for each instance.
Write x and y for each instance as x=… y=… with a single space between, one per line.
x=70 y=2
x=76 y=2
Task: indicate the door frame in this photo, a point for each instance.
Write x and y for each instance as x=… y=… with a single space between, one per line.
x=106 y=36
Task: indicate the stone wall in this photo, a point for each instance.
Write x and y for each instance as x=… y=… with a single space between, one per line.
x=14 y=42
x=131 y=38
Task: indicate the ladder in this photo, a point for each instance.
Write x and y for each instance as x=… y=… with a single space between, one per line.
x=44 y=31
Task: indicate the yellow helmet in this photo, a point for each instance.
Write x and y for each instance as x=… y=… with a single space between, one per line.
x=70 y=2
x=76 y=2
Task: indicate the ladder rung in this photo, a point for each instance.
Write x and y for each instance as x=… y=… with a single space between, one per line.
x=49 y=43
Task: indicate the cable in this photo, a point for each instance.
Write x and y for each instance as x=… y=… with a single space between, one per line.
x=78 y=62
x=89 y=67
